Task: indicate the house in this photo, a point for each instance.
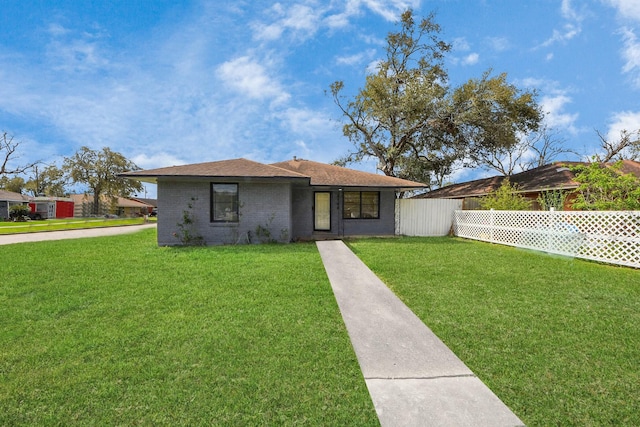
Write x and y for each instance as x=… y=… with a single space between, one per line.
x=152 y=205
x=242 y=201
x=8 y=199
x=121 y=206
x=531 y=183
x=51 y=207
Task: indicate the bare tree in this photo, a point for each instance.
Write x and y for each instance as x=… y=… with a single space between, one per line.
x=536 y=149
x=625 y=148
x=548 y=145
x=8 y=152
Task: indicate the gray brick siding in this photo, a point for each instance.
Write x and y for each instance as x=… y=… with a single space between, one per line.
x=265 y=213
x=268 y=212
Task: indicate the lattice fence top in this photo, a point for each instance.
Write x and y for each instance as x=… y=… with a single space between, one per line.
x=611 y=236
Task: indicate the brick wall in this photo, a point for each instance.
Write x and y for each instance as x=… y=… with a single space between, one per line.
x=264 y=213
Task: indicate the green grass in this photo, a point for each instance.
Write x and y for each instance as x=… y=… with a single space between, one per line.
x=117 y=331
x=558 y=340
x=9 y=227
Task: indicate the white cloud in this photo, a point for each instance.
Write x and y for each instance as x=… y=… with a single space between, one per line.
x=631 y=56
x=303 y=19
x=356 y=59
x=624 y=120
x=156 y=160
x=556 y=116
x=471 y=59
x=300 y=20
x=499 y=44
x=629 y=9
x=571 y=28
x=461 y=44
x=554 y=104
x=250 y=78
x=390 y=9
x=75 y=52
x=568 y=32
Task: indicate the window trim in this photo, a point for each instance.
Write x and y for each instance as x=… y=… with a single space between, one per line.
x=344 y=216
x=213 y=204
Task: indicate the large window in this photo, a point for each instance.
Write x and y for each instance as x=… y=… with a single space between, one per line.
x=361 y=204
x=224 y=202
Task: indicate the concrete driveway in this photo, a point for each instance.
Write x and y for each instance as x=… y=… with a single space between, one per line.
x=71 y=234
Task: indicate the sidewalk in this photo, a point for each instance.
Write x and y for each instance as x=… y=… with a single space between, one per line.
x=9 y=239
x=413 y=378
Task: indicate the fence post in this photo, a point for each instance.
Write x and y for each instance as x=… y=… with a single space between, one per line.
x=550 y=223
x=492 y=223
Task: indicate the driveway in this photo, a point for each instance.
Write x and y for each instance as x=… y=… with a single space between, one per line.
x=71 y=234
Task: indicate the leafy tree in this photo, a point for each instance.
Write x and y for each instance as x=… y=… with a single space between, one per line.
x=15 y=184
x=50 y=181
x=8 y=152
x=99 y=171
x=605 y=187
x=492 y=115
x=505 y=198
x=386 y=119
x=409 y=119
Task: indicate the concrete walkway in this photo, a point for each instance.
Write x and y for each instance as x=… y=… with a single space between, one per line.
x=412 y=377
x=71 y=234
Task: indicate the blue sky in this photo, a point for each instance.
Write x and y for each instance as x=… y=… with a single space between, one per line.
x=175 y=82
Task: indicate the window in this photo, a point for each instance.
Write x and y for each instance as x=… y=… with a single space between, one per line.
x=224 y=202
x=361 y=204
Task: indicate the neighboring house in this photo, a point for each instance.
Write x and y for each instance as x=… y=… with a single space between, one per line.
x=51 y=207
x=242 y=201
x=151 y=203
x=8 y=199
x=531 y=183
x=121 y=206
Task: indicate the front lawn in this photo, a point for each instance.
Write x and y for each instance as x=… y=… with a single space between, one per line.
x=558 y=340
x=117 y=331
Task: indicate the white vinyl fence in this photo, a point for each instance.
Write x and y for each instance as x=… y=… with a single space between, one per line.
x=425 y=217
x=612 y=236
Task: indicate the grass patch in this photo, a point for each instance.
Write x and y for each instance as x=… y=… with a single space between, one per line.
x=9 y=227
x=556 y=339
x=118 y=331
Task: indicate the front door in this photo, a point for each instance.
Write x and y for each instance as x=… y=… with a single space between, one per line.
x=322 y=211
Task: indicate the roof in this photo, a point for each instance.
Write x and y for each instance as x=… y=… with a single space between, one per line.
x=317 y=174
x=235 y=168
x=13 y=197
x=121 y=202
x=322 y=174
x=554 y=176
x=150 y=202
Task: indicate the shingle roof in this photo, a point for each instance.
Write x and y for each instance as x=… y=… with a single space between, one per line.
x=13 y=197
x=330 y=175
x=318 y=174
x=224 y=168
x=554 y=176
x=122 y=202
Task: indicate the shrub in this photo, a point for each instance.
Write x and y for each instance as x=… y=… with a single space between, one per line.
x=18 y=212
x=505 y=198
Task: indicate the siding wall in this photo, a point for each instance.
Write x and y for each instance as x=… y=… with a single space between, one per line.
x=4 y=209
x=383 y=226
x=426 y=217
x=265 y=205
x=303 y=200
